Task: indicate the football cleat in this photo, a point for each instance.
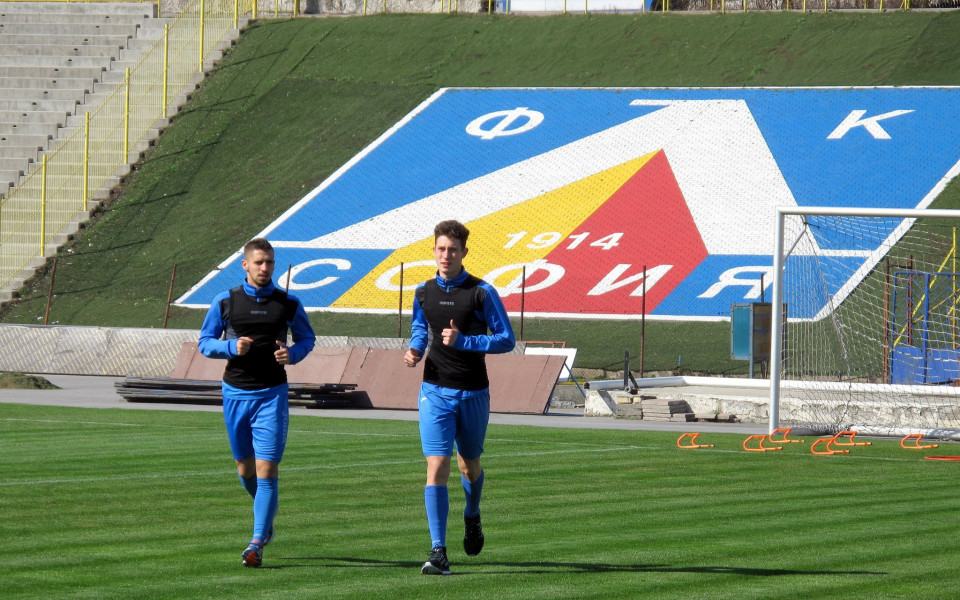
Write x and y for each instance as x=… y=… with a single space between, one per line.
x=472 y=535
x=438 y=563
x=253 y=555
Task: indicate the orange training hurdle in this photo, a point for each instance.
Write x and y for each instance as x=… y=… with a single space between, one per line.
x=852 y=434
x=829 y=450
x=785 y=432
x=916 y=442
x=760 y=447
x=693 y=441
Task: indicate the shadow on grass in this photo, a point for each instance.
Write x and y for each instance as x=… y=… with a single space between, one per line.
x=547 y=567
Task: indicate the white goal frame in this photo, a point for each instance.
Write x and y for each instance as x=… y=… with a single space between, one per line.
x=777 y=325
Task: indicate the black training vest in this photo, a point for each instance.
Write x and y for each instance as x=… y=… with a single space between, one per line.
x=265 y=322
x=445 y=366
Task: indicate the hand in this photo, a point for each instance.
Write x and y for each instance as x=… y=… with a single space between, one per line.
x=243 y=345
x=411 y=358
x=450 y=335
x=282 y=353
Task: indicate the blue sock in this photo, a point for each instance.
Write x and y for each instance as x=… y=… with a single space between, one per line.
x=437 y=501
x=249 y=484
x=264 y=507
x=472 y=491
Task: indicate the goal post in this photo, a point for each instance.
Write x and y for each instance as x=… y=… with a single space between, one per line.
x=871 y=340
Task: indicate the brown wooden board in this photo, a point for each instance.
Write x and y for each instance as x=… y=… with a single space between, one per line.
x=340 y=364
x=519 y=383
x=522 y=383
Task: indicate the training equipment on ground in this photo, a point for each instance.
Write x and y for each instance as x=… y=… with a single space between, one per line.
x=869 y=333
x=759 y=447
x=691 y=441
x=912 y=442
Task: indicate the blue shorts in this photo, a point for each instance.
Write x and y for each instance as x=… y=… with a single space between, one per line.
x=448 y=415
x=257 y=421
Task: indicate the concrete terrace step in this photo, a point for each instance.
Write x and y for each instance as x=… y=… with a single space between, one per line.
x=29 y=128
x=28 y=202
x=153 y=28
x=44 y=105
x=15 y=164
x=54 y=181
x=10 y=175
x=24 y=139
x=66 y=39
x=54 y=61
x=33 y=116
x=140 y=44
x=36 y=94
x=30 y=152
x=47 y=83
x=76 y=19
x=57 y=49
x=79 y=8
x=50 y=72
x=66 y=28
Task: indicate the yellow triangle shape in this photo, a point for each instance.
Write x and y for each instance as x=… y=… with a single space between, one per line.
x=518 y=234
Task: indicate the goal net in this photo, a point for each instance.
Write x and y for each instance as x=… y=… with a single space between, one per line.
x=869 y=334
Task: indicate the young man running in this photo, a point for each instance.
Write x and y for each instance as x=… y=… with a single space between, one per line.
x=255 y=317
x=454 y=311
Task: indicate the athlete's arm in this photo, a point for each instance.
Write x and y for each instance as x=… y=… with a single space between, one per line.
x=419 y=329
x=501 y=338
x=210 y=344
x=303 y=337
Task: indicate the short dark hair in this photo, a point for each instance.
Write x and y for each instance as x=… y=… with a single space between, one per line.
x=455 y=230
x=257 y=244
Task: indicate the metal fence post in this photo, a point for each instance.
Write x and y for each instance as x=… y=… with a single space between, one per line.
x=43 y=205
x=203 y=20
x=166 y=67
x=86 y=159
x=126 y=121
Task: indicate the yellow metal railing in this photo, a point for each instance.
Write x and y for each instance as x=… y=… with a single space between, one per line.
x=59 y=187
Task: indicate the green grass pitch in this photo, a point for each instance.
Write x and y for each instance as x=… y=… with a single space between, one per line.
x=146 y=504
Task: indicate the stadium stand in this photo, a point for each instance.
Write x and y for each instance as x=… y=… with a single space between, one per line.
x=57 y=61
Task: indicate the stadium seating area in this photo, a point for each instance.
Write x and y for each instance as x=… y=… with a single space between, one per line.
x=59 y=60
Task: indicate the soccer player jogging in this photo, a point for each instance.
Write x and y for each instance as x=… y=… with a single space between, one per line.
x=253 y=319
x=454 y=311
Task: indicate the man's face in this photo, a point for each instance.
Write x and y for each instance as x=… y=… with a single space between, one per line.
x=259 y=267
x=449 y=255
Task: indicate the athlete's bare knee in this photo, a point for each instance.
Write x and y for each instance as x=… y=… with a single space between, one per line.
x=246 y=468
x=469 y=468
x=438 y=470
